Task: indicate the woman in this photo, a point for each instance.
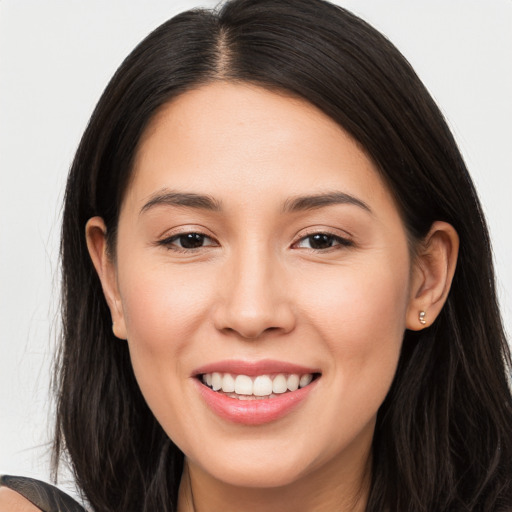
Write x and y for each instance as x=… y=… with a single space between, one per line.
x=278 y=289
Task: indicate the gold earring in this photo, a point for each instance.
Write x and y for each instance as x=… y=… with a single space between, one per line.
x=422 y=318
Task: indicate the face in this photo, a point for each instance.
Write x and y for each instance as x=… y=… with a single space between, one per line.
x=260 y=252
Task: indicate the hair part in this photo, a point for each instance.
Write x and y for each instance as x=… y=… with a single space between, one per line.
x=443 y=439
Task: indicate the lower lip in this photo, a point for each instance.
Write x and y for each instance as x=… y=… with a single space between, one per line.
x=253 y=412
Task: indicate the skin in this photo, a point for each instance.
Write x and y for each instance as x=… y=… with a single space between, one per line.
x=11 y=501
x=258 y=290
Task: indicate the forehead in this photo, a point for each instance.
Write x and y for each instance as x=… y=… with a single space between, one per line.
x=240 y=142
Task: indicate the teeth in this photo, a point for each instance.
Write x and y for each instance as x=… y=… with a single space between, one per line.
x=243 y=384
x=261 y=386
x=228 y=383
x=292 y=383
x=279 y=384
x=305 y=380
x=216 y=381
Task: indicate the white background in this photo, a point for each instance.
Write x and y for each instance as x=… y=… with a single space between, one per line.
x=55 y=59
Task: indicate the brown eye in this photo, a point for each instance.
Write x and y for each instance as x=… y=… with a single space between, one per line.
x=322 y=241
x=190 y=240
x=187 y=241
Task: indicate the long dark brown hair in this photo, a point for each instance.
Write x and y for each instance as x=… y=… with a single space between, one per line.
x=443 y=439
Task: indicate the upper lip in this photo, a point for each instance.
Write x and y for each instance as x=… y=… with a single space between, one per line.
x=253 y=368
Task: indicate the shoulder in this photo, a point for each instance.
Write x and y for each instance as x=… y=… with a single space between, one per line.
x=19 y=494
x=11 y=501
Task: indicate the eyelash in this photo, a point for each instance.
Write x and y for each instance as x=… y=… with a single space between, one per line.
x=338 y=242
x=169 y=242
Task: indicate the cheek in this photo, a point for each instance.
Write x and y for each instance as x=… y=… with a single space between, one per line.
x=357 y=301
x=160 y=304
x=163 y=310
x=360 y=314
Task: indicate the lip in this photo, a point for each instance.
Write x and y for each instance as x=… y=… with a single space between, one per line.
x=253 y=368
x=253 y=412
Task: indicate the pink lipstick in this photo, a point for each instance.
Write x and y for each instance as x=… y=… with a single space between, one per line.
x=254 y=393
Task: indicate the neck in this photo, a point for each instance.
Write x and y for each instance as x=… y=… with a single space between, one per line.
x=331 y=488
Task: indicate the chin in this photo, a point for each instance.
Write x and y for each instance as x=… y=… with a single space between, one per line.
x=257 y=464
x=258 y=476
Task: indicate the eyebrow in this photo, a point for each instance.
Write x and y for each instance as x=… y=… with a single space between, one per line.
x=291 y=205
x=187 y=200
x=313 y=202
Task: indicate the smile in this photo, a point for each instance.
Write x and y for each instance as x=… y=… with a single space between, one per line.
x=260 y=387
x=254 y=393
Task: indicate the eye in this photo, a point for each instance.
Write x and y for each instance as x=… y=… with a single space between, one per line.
x=322 y=241
x=187 y=241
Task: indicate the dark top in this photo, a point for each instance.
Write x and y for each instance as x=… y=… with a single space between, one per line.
x=44 y=496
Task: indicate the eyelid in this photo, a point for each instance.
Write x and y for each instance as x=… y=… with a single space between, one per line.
x=344 y=240
x=166 y=240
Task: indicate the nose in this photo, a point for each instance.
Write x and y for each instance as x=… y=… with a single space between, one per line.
x=253 y=297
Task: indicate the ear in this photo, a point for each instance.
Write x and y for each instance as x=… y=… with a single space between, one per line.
x=432 y=274
x=96 y=236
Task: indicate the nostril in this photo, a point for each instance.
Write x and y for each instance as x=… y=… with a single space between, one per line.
x=251 y=313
